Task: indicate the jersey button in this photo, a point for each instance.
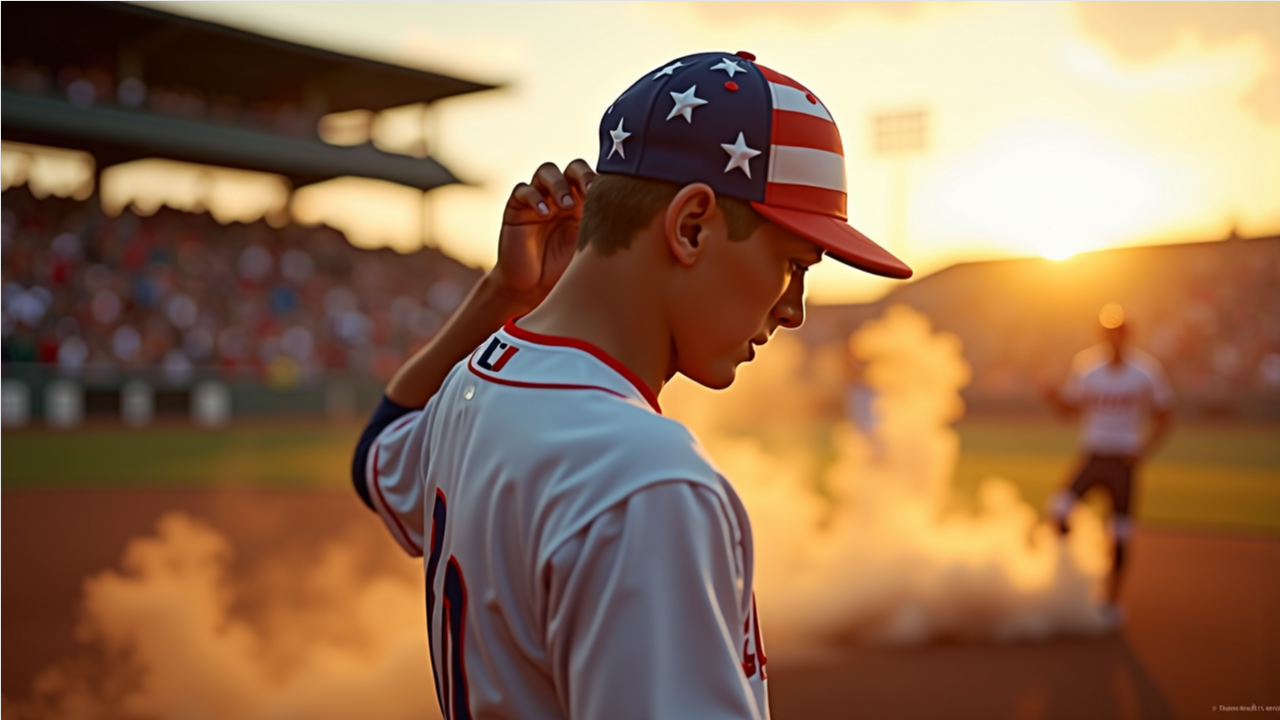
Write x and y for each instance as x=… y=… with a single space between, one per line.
x=469 y=393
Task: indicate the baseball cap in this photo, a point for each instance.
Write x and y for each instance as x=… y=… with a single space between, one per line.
x=749 y=133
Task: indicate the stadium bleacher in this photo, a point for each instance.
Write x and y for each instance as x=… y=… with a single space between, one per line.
x=88 y=293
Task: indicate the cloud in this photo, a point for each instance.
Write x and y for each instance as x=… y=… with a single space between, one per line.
x=1149 y=32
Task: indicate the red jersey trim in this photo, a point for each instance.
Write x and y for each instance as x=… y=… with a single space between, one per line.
x=556 y=341
x=540 y=386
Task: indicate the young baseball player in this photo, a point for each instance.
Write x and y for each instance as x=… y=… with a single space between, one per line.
x=584 y=557
x=1114 y=388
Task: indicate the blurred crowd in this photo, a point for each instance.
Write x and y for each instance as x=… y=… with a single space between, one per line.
x=87 y=86
x=1219 y=333
x=177 y=292
x=1210 y=313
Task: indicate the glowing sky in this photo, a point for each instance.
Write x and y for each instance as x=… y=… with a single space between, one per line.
x=1053 y=127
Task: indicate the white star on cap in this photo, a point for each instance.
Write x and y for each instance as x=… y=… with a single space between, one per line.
x=668 y=69
x=618 y=136
x=685 y=103
x=739 y=155
x=728 y=66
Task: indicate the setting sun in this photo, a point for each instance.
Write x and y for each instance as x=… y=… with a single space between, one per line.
x=1057 y=245
x=1053 y=188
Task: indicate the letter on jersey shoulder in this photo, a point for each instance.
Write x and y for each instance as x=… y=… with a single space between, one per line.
x=387 y=470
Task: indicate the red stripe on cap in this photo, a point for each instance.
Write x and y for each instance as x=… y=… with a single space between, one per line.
x=774 y=76
x=800 y=130
x=809 y=199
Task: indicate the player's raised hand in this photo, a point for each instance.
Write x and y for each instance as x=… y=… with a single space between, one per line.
x=540 y=230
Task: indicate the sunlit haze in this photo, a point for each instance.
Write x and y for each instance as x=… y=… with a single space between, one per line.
x=1050 y=128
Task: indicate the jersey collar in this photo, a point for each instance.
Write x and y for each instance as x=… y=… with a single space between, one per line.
x=563 y=363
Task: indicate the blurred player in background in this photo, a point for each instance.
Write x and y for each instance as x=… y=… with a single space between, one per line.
x=860 y=404
x=1114 y=388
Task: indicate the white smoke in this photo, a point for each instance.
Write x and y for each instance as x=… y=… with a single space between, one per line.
x=174 y=640
x=863 y=542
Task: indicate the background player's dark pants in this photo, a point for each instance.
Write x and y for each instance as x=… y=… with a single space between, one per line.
x=1112 y=472
x=1115 y=474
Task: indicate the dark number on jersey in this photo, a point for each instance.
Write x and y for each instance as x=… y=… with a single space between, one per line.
x=451 y=679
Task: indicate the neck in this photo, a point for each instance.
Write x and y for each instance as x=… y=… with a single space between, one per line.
x=610 y=303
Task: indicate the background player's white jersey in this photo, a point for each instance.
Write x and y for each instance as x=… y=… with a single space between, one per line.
x=584 y=558
x=1115 y=400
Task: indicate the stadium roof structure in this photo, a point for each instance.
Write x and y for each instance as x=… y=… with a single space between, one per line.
x=114 y=135
x=249 y=70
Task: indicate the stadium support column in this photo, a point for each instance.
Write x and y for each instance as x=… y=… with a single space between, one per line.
x=137 y=404
x=16 y=406
x=430 y=141
x=211 y=404
x=63 y=404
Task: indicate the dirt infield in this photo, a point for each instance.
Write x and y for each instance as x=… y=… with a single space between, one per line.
x=1203 y=628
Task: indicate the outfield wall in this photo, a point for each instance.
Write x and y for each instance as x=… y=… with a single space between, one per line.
x=38 y=395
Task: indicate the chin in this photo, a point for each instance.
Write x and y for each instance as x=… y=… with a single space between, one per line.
x=714 y=378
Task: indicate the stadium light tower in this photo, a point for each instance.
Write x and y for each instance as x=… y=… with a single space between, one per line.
x=900 y=135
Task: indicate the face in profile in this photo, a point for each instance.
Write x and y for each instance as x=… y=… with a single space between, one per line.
x=735 y=296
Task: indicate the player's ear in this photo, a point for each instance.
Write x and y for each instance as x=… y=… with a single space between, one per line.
x=688 y=221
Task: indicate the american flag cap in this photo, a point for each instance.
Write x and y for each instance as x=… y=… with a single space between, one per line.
x=749 y=133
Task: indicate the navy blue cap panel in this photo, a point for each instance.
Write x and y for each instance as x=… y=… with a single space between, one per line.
x=622 y=129
x=681 y=123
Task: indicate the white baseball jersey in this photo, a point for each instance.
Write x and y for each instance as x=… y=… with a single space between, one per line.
x=584 y=557
x=1115 y=400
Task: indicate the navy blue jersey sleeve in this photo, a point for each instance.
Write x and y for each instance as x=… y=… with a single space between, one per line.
x=386 y=413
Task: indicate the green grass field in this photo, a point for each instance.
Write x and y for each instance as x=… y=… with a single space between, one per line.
x=300 y=454
x=1206 y=476
x=1213 y=477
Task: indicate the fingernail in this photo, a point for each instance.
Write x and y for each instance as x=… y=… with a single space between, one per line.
x=566 y=201
x=542 y=209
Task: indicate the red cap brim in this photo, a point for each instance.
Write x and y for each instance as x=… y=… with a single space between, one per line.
x=839 y=239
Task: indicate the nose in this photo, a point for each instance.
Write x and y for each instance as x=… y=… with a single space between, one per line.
x=789 y=312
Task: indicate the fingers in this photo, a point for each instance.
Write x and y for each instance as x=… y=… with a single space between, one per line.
x=580 y=176
x=554 y=185
x=526 y=197
x=551 y=190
